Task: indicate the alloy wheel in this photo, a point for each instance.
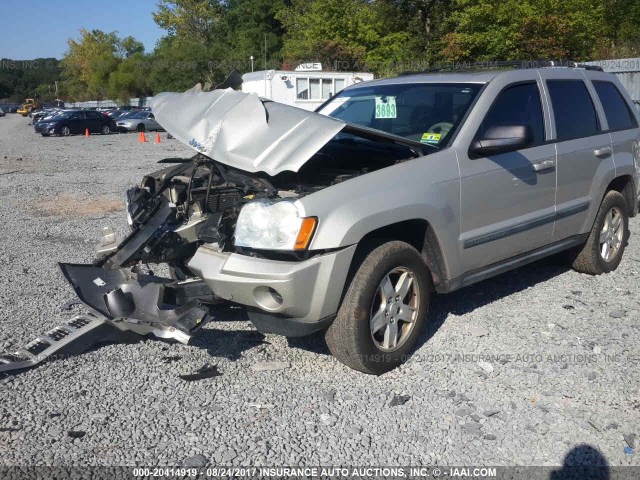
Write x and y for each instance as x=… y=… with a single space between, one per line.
x=394 y=309
x=612 y=234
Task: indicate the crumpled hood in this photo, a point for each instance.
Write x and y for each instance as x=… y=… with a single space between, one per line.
x=241 y=131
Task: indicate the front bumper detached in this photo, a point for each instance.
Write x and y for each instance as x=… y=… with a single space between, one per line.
x=144 y=304
x=286 y=298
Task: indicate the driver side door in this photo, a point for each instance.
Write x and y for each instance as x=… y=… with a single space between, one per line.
x=508 y=199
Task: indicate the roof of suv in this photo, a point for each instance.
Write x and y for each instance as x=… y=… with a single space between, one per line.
x=468 y=76
x=456 y=77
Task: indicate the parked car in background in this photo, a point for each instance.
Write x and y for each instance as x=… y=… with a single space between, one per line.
x=10 y=107
x=117 y=113
x=139 y=121
x=2 y=114
x=69 y=122
x=43 y=113
x=129 y=107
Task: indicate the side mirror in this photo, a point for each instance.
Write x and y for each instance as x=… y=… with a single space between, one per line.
x=502 y=139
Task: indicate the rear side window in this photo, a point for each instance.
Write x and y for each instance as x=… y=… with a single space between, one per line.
x=573 y=109
x=517 y=105
x=615 y=108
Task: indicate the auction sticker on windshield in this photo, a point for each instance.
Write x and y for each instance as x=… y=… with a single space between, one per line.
x=430 y=137
x=386 y=107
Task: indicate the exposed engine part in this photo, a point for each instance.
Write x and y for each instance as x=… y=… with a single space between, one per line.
x=178 y=208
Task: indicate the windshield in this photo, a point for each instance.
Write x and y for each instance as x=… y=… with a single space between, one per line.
x=424 y=112
x=138 y=115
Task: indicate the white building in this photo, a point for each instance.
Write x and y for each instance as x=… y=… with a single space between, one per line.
x=307 y=87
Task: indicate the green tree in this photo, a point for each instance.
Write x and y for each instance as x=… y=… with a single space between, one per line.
x=247 y=26
x=178 y=65
x=88 y=63
x=524 y=29
x=95 y=57
x=129 y=46
x=193 y=20
x=622 y=19
x=424 y=20
x=345 y=35
x=20 y=79
x=130 y=79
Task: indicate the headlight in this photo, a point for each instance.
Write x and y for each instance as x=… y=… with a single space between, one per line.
x=273 y=226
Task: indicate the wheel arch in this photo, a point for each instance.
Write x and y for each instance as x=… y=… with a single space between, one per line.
x=416 y=232
x=625 y=185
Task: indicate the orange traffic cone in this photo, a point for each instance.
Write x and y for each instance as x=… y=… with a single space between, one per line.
x=143 y=138
x=86 y=132
x=157 y=137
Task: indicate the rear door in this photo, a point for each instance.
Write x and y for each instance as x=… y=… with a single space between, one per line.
x=94 y=121
x=507 y=199
x=622 y=124
x=585 y=154
x=77 y=122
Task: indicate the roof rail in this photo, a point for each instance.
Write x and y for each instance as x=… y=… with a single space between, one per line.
x=500 y=64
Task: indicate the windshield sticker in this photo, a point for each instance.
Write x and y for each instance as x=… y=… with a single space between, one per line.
x=386 y=107
x=430 y=137
x=332 y=106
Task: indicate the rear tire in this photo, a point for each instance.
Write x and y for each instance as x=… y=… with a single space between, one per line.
x=105 y=130
x=605 y=246
x=377 y=327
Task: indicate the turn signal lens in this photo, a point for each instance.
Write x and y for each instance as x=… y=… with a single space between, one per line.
x=306 y=232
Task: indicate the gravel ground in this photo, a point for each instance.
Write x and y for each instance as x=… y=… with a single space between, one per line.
x=529 y=368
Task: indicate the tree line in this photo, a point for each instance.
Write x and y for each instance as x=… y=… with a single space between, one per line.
x=205 y=39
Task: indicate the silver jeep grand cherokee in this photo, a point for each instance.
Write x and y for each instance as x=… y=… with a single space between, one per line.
x=348 y=219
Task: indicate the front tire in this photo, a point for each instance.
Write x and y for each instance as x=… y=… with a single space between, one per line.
x=605 y=246
x=105 y=130
x=383 y=311
x=65 y=131
x=141 y=128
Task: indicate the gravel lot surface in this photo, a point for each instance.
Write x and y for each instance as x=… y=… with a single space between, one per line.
x=528 y=368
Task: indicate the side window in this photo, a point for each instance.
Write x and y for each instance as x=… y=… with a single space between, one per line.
x=302 y=88
x=517 y=105
x=615 y=108
x=573 y=109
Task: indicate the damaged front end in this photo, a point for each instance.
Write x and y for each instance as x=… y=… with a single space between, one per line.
x=248 y=151
x=171 y=213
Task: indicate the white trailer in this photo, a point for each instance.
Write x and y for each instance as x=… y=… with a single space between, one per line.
x=307 y=87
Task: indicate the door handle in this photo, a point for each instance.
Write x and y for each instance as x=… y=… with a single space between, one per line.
x=603 y=152
x=543 y=165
